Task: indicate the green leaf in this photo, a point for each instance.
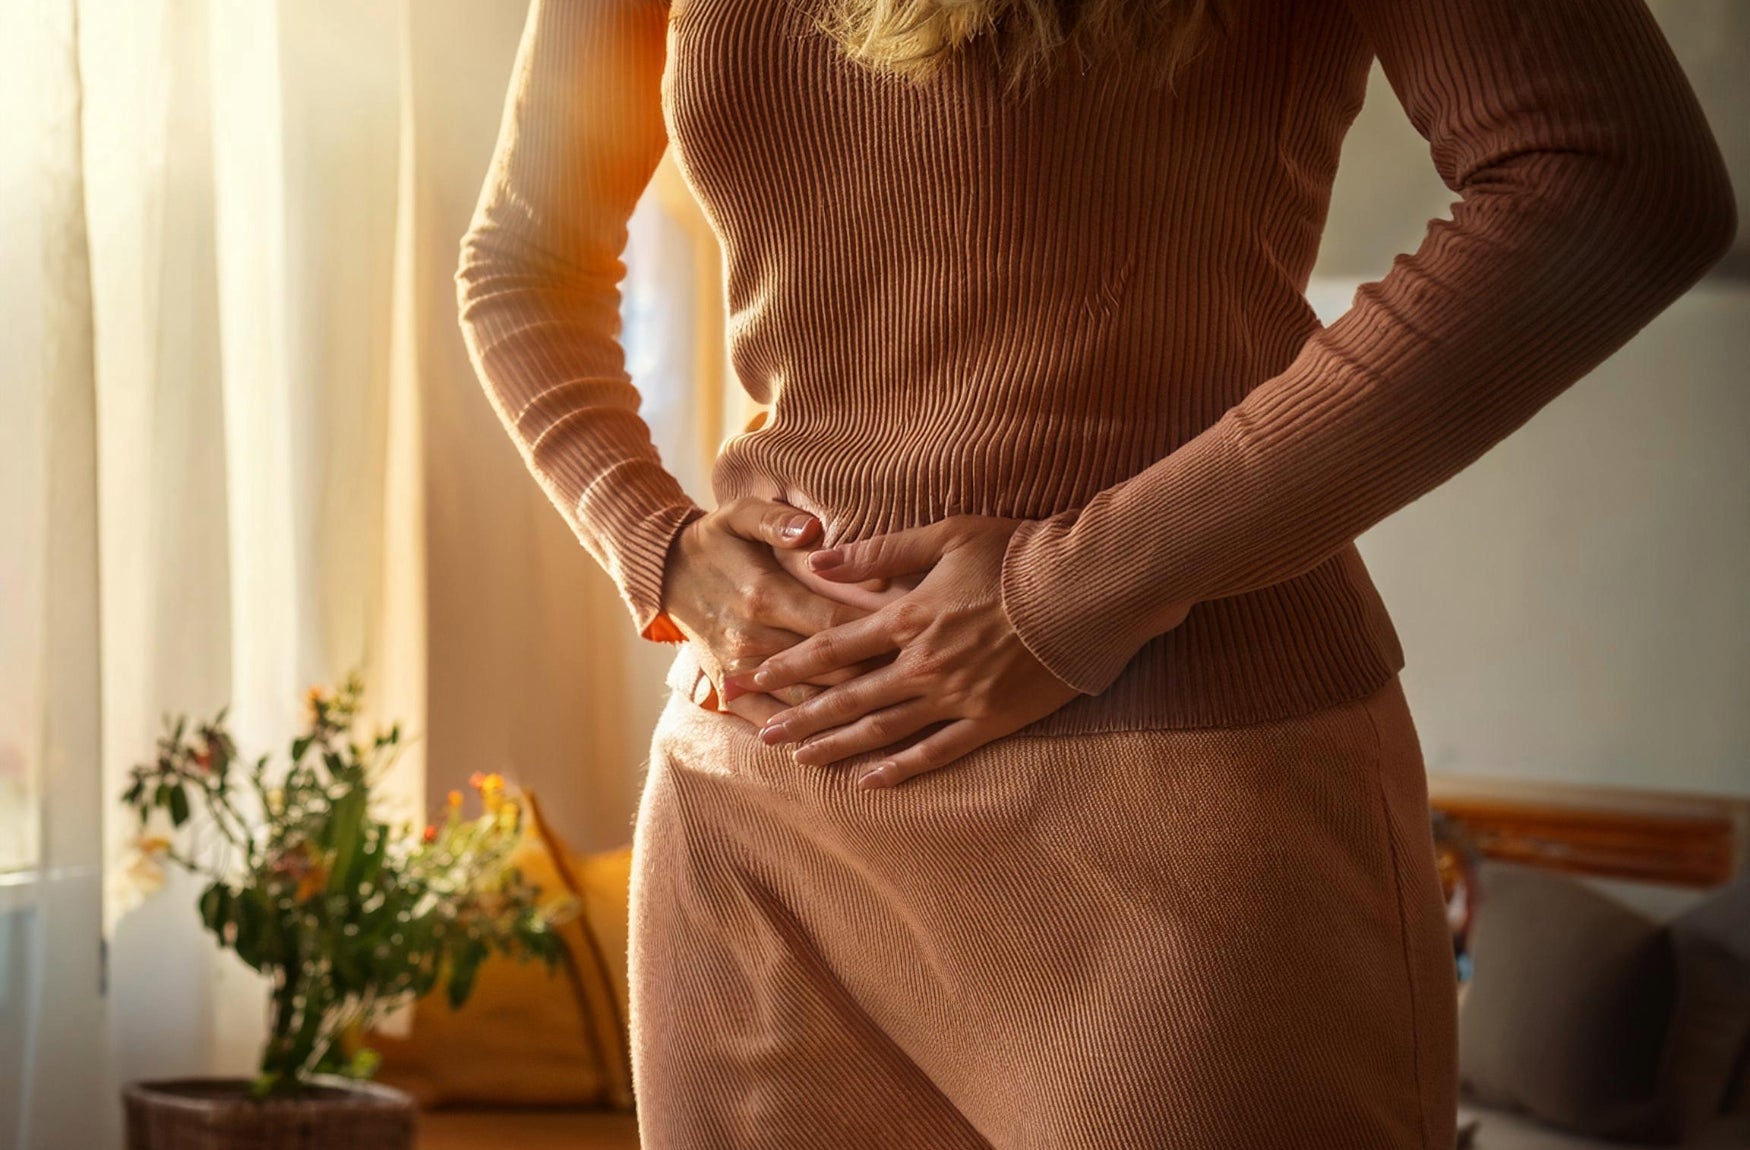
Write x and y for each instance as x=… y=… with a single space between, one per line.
x=179 y=804
x=215 y=907
x=249 y=917
x=468 y=958
x=372 y=857
x=347 y=830
x=364 y=1063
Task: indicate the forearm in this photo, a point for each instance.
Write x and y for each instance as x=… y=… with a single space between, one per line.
x=564 y=397
x=538 y=275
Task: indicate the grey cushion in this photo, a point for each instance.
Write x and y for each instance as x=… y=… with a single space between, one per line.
x=1710 y=1048
x=1596 y=1019
x=1569 y=1003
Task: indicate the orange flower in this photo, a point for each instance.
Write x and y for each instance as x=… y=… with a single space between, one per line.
x=314 y=701
x=313 y=882
x=430 y=834
x=304 y=864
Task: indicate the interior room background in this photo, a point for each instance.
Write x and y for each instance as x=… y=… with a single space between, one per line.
x=242 y=451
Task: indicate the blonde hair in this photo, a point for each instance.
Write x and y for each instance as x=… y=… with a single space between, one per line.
x=914 y=38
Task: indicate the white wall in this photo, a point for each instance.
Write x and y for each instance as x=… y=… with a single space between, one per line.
x=1575 y=607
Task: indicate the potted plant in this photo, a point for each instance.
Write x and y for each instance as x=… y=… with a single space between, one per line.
x=348 y=917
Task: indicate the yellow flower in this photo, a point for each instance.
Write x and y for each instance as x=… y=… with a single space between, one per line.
x=491 y=788
x=137 y=876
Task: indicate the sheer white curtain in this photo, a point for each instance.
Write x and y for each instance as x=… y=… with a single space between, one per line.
x=50 y=885
x=242 y=451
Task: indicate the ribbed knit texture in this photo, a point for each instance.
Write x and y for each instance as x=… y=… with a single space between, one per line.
x=1085 y=308
x=1217 y=939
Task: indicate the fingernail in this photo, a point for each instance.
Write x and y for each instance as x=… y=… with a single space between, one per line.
x=820 y=560
x=795 y=527
x=762 y=678
x=876 y=776
x=772 y=733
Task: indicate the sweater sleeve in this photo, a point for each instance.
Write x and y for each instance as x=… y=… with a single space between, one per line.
x=537 y=283
x=1592 y=195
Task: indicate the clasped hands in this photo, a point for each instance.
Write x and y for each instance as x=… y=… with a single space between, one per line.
x=896 y=644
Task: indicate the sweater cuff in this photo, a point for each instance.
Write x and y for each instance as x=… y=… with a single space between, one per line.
x=1071 y=596
x=1045 y=597
x=631 y=527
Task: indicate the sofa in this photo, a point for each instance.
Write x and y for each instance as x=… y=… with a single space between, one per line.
x=1602 y=1013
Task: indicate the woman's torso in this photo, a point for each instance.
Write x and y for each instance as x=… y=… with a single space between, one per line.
x=958 y=301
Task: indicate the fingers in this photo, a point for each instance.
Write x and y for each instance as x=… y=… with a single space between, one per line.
x=769 y=521
x=827 y=651
x=936 y=750
x=780 y=600
x=902 y=552
x=738 y=685
x=755 y=707
x=846 y=674
x=758 y=708
x=841 y=705
x=746 y=648
x=872 y=732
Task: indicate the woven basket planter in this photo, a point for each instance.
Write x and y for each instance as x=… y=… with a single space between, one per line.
x=218 y=1114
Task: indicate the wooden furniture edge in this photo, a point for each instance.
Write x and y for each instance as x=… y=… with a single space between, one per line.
x=1676 y=839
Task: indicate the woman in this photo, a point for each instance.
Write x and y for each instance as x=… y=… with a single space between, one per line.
x=1075 y=801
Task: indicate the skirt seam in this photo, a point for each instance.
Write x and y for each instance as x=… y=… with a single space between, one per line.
x=1403 y=924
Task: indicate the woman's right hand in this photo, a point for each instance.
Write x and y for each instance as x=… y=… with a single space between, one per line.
x=726 y=588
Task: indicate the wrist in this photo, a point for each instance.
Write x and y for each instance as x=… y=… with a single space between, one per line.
x=1066 y=615
x=681 y=549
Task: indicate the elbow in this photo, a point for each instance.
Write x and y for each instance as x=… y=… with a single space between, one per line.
x=496 y=261
x=1693 y=222
x=477 y=261
x=1721 y=230
x=494 y=268
x=1710 y=206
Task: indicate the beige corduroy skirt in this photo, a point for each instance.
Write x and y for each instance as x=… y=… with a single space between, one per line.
x=1211 y=938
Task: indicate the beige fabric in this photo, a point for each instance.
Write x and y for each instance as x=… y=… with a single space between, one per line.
x=1209 y=938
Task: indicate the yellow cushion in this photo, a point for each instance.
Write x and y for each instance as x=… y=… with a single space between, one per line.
x=530 y=1036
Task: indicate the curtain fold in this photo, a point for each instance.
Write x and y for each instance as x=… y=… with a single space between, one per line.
x=51 y=1015
x=245 y=452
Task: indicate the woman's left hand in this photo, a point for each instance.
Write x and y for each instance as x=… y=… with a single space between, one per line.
x=960 y=665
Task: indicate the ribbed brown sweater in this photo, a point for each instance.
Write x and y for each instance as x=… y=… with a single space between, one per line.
x=1086 y=308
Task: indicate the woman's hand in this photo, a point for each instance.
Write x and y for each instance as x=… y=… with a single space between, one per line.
x=730 y=585
x=954 y=659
